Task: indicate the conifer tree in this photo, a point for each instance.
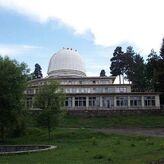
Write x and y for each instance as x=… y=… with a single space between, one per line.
x=162 y=50
x=116 y=68
x=102 y=73
x=37 y=72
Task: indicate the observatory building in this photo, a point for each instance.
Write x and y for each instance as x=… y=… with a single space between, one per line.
x=82 y=92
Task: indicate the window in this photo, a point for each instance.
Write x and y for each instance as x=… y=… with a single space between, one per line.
x=117 y=90
x=80 y=101
x=29 y=103
x=36 y=90
x=122 y=101
x=30 y=91
x=108 y=102
x=93 y=90
x=149 y=100
x=92 y=101
x=88 y=90
x=68 y=102
x=82 y=90
x=94 y=81
x=135 y=101
x=106 y=90
x=98 y=90
x=122 y=89
x=77 y=90
x=73 y=90
x=67 y=90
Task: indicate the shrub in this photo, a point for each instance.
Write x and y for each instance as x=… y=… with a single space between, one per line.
x=98 y=156
x=93 y=141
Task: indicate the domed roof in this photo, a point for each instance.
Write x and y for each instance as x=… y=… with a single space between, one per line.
x=66 y=63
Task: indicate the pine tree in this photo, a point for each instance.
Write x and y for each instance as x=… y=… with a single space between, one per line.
x=138 y=74
x=37 y=72
x=162 y=50
x=128 y=60
x=102 y=73
x=116 y=68
x=152 y=71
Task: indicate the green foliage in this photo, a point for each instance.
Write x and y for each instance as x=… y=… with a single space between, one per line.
x=152 y=70
x=102 y=73
x=98 y=156
x=51 y=100
x=162 y=49
x=12 y=84
x=93 y=141
x=19 y=128
x=117 y=64
x=155 y=71
x=137 y=75
x=50 y=97
x=37 y=74
x=143 y=76
x=130 y=65
x=132 y=145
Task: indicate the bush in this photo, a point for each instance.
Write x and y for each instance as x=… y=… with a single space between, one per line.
x=98 y=156
x=93 y=141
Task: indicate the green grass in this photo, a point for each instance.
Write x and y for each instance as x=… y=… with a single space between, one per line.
x=144 y=120
x=78 y=145
x=83 y=146
x=114 y=121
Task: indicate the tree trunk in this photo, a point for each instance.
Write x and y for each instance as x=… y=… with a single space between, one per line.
x=49 y=129
x=123 y=78
x=120 y=79
x=2 y=134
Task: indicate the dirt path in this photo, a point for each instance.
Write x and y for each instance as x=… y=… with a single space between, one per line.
x=154 y=132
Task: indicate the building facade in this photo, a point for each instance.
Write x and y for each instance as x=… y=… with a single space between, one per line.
x=91 y=93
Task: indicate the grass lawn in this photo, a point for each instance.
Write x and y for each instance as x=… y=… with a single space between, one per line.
x=83 y=146
x=146 y=120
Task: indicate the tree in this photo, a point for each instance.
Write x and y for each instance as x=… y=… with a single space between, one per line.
x=138 y=74
x=162 y=50
x=130 y=65
x=102 y=73
x=161 y=66
x=37 y=72
x=152 y=71
x=12 y=84
x=160 y=69
x=128 y=60
x=117 y=65
x=51 y=100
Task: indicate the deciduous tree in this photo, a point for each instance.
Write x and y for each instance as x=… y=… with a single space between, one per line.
x=12 y=84
x=51 y=100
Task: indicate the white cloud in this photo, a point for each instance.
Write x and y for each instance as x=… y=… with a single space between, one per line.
x=7 y=51
x=15 y=50
x=110 y=21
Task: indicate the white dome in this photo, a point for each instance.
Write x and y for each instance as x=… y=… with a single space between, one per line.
x=66 y=63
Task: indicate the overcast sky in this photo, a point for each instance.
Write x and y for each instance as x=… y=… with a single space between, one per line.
x=33 y=30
